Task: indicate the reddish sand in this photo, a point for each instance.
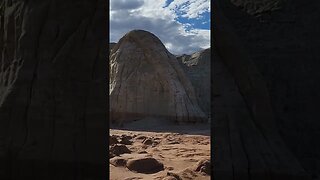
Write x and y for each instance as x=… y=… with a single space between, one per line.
x=179 y=150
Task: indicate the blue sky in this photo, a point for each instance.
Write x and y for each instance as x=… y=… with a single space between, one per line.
x=182 y=25
x=202 y=22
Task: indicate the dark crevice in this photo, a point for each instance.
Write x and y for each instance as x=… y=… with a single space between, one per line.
x=230 y=147
x=247 y=156
x=68 y=40
x=35 y=73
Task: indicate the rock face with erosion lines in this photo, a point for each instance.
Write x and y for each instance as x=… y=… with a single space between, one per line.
x=53 y=89
x=252 y=140
x=147 y=80
x=198 y=68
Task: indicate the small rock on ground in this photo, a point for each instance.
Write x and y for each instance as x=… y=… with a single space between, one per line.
x=113 y=140
x=118 y=161
x=203 y=166
x=119 y=149
x=147 y=141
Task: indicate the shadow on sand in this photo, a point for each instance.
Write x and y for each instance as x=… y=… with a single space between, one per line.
x=161 y=125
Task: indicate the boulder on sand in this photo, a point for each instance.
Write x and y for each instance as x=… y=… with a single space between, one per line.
x=118 y=161
x=145 y=165
x=119 y=149
x=204 y=166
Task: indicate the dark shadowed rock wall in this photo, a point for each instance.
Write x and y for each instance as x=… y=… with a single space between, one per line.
x=53 y=89
x=283 y=43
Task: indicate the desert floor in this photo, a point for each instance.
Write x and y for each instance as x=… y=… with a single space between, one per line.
x=184 y=150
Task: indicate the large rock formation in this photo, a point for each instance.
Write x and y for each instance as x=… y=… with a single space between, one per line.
x=284 y=45
x=198 y=68
x=147 y=80
x=248 y=144
x=53 y=88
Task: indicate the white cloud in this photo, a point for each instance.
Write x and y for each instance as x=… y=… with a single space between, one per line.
x=125 y=4
x=190 y=8
x=153 y=16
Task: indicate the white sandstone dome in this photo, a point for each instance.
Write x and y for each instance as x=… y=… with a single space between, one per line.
x=147 y=80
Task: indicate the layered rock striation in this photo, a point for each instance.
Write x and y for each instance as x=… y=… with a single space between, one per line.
x=198 y=68
x=247 y=135
x=284 y=45
x=147 y=80
x=53 y=89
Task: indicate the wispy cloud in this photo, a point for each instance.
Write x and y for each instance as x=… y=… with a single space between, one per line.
x=125 y=4
x=161 y=18
x=190 y=8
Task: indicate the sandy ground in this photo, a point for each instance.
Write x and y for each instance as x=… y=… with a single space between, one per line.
x=178 y=147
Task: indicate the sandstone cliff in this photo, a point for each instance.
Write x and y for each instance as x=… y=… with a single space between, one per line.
x=53 y=115
x=147 y=80
x=246 y=132
x=284 y=45
x=198 y=68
